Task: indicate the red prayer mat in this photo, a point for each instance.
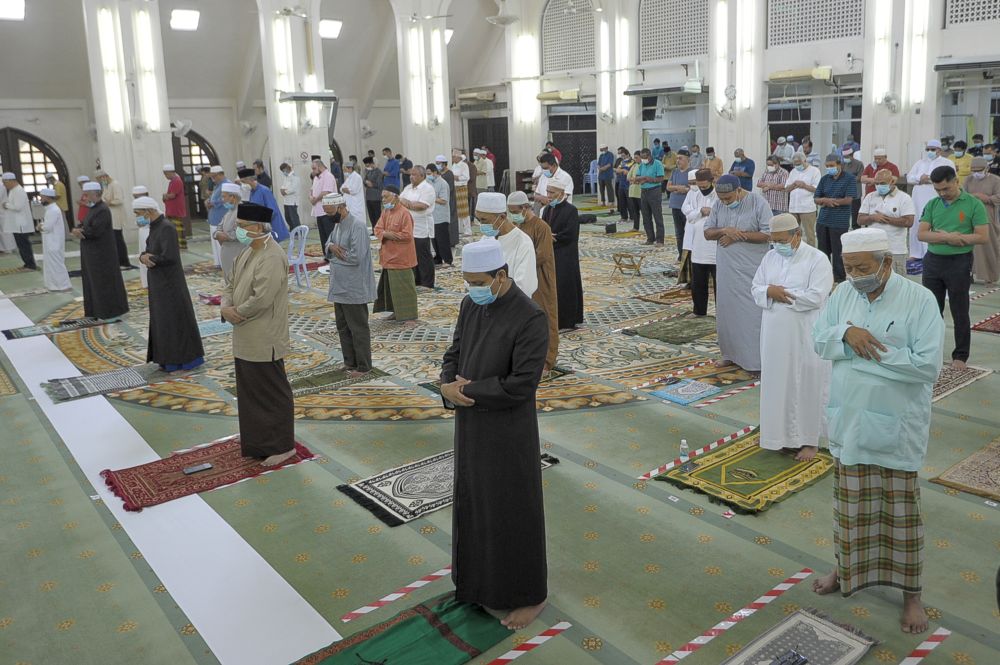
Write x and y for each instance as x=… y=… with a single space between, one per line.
x=164 y=480
x=991 y=324
x=311 y=265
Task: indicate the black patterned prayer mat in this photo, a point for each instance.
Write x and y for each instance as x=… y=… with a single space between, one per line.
x=554 y=373
x=115 y=381
x=405 y=493
x=806 y=636
x=322 y=379
x=52 y=329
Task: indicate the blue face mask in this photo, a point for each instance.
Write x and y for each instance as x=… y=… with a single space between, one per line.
x=846 y=160
x=959 y=153
x=142 y=221
x=517 y=218
x=554 y=203
x=800 y=167
x=931 y=154
x=388 y=206
x=734 y=205
x=489 y=230
x=783 y=248
x=883 y=189
x=832 y=170
x=481 y=295
x=243 y=236
x=432 y=178
x=228 y=206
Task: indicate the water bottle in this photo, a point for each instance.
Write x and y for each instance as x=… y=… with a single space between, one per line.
x=684 y=450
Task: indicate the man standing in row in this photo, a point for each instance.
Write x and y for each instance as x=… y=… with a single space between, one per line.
x=986 y=187
x=418 y=198
x=564 y=220
x=263 y=177
x=442 y=218
x=834 y=196
x=262 y=195
x=373 y=190
x=398 y=257
x=801 y=185
x=852 y=166
x=449 y=177
x=518 y=250
x=104 y=295
x=290 y=194
x=678 y=188
x=53 y=229
x=880 y=160
x=16 y=219
x=891 y=210
x=461 y=171
x=353 y=191
x=216 y=209
x=743 y=168
x=605 y=177
x=919 y=177
x=322 y=184
x=62 y=199
x=175 y=204
x=391 y=169
x=114 y=196
x=649 y=175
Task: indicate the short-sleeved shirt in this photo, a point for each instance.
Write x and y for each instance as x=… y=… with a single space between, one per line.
x=748 y=165
x=838 y=217
x=801 y=200
x=960 y=216
x=678 y=177
x=872 y=169
x=652 y=170
x=423 y=220
x=324 y=182
x=606 y=159
x=893 y=204
x=391 y=173
x=442 y=211
x=177 y=206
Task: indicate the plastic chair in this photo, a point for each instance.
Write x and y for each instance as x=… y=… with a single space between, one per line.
x=591 y=178
x=297 y=254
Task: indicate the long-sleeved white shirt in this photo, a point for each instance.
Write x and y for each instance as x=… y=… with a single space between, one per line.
x=17 y=212
x=519 y=252
x=461 y=171
x=702 y=251
x=290 y=184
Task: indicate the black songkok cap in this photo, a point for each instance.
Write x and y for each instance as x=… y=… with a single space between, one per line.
x=252 y=212
x=246 y=173
x=391 y=188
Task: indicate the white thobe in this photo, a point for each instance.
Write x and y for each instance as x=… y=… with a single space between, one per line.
x=17 y=212
x=702 y=251
x=143 y=270
x=353 y=190
x=461 y=171
x=7 y=243
x=921 y=195
x=519 y=252
x=54 y=249
x=795 y=381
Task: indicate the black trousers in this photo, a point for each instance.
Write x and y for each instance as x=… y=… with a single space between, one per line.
x=442 y=244
x=680 y=222
x=122 y=249
x=855 y=211
x=374 y=211
x=423 y=272
x=652 y=213
x=828 y=242
x=623 y=204
x=292 y=216
x=700 y=273
x=633 y=208
x=266 y=408
x=324 y=223
x=606 y=190
x=355 y=335
x=23 y=241
x=951 y=275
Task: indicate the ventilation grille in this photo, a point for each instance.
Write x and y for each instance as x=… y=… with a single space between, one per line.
x=568 y=35
x=972 y=11
x=800 y=21
x=672 y=29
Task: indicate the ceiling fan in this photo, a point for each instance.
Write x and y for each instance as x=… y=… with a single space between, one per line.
x=502 y=19
x=416 y=18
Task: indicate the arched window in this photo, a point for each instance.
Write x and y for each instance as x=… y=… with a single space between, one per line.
x=30 y=158
x=672 y=29
x=191 y=152
x=568 y=35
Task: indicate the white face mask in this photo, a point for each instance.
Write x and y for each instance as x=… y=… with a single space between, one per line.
x=772 y=169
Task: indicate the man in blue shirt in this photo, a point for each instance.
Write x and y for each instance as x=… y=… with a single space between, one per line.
x=658 y=151
x=678 y=188
x=649 y=177
x=743 y=168
x=391 y=169
x=262 y=195
x=833 y=196
x=606 y=177
x=216 y=209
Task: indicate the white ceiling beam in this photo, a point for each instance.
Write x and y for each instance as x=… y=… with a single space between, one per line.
x=249 y=77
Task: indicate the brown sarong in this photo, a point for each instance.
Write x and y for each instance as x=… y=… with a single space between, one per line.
x=266 y=408
x=397 y=293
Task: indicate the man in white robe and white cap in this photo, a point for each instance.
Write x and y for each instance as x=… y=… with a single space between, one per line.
x=53 y=228
x=919 y=177
x=140 y=190
x=142 y=224
x=791 y=286
x=353 y=190
x=7 y=243
x=17 y=220
x=518 y=249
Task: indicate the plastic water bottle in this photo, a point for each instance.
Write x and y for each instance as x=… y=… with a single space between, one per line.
x=684 y=450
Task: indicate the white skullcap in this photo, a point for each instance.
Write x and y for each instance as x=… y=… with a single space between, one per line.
x=781 y=139
x=241 y=164
x=333 y=200
x=790 y=137
x=140 y=189
x=478 y=151
x=441 y=159
x=8 y=176
x=692 y=174
x=494 y=202
x=517 y=198
x=879 y=152
x=933 y=143
x=216 y=169
x=91 y=186
x=47 y=191
x=231 y=188
x=146 y=203
x=864 y=240
x=168 y=167
x=50 y=174
x=483 y=255
x=82 y=179
x=784 y=222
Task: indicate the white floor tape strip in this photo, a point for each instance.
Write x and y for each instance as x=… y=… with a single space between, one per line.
x=225 y=587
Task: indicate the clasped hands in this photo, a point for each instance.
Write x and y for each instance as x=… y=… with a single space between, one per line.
x=730 y=235
x=230 y=314
x=863 y=343
x=337 y=250
x=780 y=294
x=453 y=392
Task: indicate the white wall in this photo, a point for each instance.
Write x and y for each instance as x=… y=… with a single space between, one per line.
x=215 y=120
x=63 y=124
x=387 y=121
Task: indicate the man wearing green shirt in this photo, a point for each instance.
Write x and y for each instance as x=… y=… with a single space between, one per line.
x=951 y=224
x=649 y=176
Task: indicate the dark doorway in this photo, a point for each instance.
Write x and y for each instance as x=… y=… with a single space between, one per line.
x=575 y=137
x=492 y=133
x=30 y=158
x=191 y=152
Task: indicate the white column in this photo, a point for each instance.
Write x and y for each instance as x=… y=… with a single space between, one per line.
x=618 y=114
x=526 y=120
x=921 y=44
x=423 y=78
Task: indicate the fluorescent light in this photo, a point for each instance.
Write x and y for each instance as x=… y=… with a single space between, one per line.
x=330 y=28
x=148 y=86
x=882 y=52
x=283 y=70
x=108 y=38
x=746 y=12
x=415 y=62
x=721 y=30
x=918 y=51
x=448 y=34
x=604 y=78
x=184 y=19
x=622 y=75
x=437 y=82
x=525 y=87
x=11 y=10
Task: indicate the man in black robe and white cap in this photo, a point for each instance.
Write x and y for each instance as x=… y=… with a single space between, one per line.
x=564 y=219
x=490 y=374
x=104 y=295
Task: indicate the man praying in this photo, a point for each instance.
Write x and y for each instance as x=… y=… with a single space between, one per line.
x=397 y=291
x=53 y=229
x=564 y=220
x=491 y=211
x=104 y=295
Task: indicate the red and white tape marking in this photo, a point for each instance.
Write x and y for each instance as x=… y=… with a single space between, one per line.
x=728 y=393
x=663 y=468
x=988 y=318
x=925 y=647
x=985 y=293
x=646 y=323
x=397 y=594
x=680 y=372
x=533 y=643
x=723 y=626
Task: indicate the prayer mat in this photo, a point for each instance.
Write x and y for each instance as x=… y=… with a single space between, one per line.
x=951 y=379
x=991 y=324
x=686 y=391
x=625 y=234
x=668 y=297
x=7 y=386
x=676 y=330
x=554 y=373
x=312 y=265
x=405 y=493
x=25 y=294
x=52 y=329
x=441 y=631
x=914 y=266
x=164 y=480
x=13 y=271
x=747 y=477
x=62 y=390
x=209 y=299
x=212 y=328
x=977 y=474
x=810 y=635
x=329 y=378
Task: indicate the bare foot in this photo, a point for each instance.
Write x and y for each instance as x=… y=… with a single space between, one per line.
x=958 y=364
x=522 y=616
x=724 y=363
x=806 y=453
x=914 y=618
x=275 y=460
x=391 y=317
x=827 y=584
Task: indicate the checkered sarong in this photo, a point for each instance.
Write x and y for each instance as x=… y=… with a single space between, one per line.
x=878 y=531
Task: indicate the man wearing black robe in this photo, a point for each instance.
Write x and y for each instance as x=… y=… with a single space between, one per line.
x=449 y=177
x=174 y=338
x=490 y=374
x=564 y=220
x=104 y=295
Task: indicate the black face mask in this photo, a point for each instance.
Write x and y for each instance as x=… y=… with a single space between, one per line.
x=336 y=217
x=706 y=190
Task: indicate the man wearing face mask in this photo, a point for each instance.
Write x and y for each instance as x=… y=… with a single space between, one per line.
x=697 y=207
x=104 y=295
x=713 y=163
x=174 y=338
x=880 y=161
x=801 y=184
x=564 y=220
x=922 y=191
x=519 y=211
x=977 y=145
x=834 y=195
x=951 y=225
x=441 y=242
x=649 y=176
x=986 y=187
x=743 y=168
x=53 y=230
x=891 y=210
x=418 y=197
x=853 y=167
x=621 y=168
x=884 y=335
x=551 y=172
x=491 y=211
x=696 y=158
x=791 y=286
x=962 y=161
x=290 y=183
x=397 y=292
x=225 y=233
x=216 y=209
x=490 y=375
x=605 y=177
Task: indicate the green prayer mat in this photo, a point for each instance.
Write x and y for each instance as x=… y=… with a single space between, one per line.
x=747 y=477
x=323 y=378
x=441 y=631
x=554 y=373
x=677 y=330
